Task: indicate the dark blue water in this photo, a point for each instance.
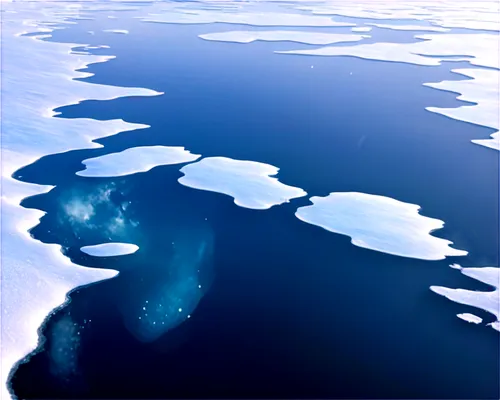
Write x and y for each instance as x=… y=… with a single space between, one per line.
x=292 y=310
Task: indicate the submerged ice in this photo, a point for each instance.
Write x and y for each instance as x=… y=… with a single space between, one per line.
x=165 y=298
x=379 y=223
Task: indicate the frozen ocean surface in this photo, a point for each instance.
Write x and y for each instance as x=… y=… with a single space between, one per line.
x=51 y=125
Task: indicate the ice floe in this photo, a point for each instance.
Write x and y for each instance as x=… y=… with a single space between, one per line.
x=361 y=29
x=482 y=89
x=480 y=46
x=135 y=160
x=251 y=184
x=38 y=76
x=478 y=49
x=453 y=14
x=281 y=36
x=410 y=27
x=110 y=249
x=474 y=319
x=120 y=31
x=487 y=301
x=379 y=223
x=180 y=16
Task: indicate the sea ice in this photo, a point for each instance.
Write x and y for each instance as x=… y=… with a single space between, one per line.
x=379 y=223
x=135 y=160
x=361 y=29
x=488 y=301
x=452 y=14
x=474 y=319
x=37 y=77
x=483 y=90
x=410 y=27
x=180 y=16
x=122 y=31
x=110 y=249
x=250 y=183
x=281 y=36
x=479 y=46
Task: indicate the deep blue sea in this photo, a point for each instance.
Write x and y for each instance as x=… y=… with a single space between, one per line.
x=292 y=311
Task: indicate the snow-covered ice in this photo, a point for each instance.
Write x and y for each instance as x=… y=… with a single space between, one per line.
x=281 y=36
x=361 y=29
x=410 y=27
x=474 y=319
x=486 y=300
x=37 y=77
x=251 y=184
x=110 y=249
x=379 y=223
x=201 y=16
x=482 y=89
x=135 y=160
x=121 y=31
x=480 y=46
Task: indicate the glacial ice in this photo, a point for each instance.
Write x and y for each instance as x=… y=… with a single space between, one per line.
x=487 y=301
x=379 y=223
x=135 y=160
x=252 y=184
